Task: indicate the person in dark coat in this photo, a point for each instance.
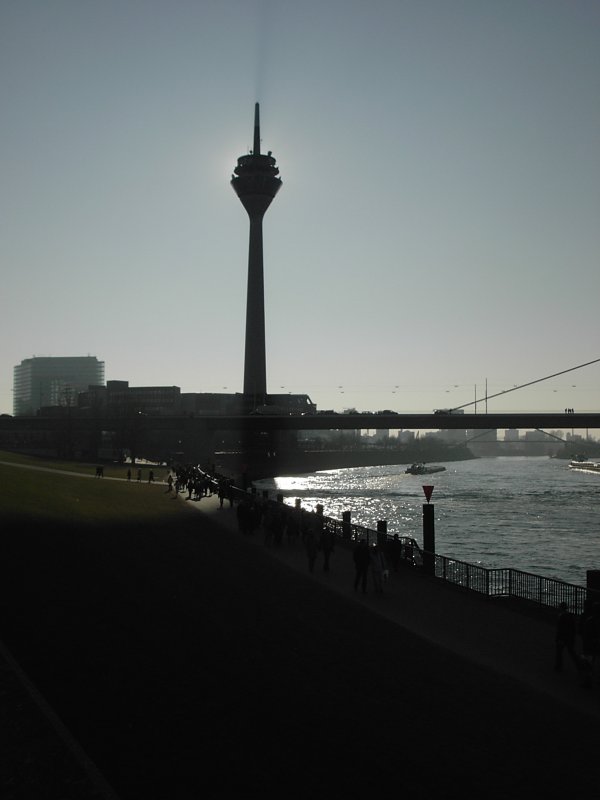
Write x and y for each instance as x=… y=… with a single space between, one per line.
x=379 y=568
x=312 y=547
x=362 y=560
x=566 y=631
x=395 y=552
x=327 y=545
x=590 y=639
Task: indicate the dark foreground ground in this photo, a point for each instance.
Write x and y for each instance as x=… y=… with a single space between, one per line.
x=187 y=663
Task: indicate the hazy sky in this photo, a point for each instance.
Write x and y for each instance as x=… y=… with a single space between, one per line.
x=438 y=224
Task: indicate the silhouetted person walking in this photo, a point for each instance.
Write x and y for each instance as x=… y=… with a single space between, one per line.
x=362 y=560
x=378 y=568
x=312 y=548
x=590 y=637
x=245 y=516
x=327 y=545
x=395 y=552
x=293 y=525
x=566 y=631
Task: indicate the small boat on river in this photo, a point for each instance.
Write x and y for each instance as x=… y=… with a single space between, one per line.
x=423 y=469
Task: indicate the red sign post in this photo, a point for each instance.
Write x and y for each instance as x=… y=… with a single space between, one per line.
x=428 y=492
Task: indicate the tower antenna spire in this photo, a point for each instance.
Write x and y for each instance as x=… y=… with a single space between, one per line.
x=256 y=150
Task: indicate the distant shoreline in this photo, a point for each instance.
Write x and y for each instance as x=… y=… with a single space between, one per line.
x=302 y=462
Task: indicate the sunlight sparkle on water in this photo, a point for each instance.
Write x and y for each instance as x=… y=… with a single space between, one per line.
x=532 y=514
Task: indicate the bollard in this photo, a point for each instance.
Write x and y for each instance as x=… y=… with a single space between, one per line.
x=280 y=498
x=428 y=539
x=297 y=503
x=265 y=494
x=319 y=509
x=346 y=524
x=593 y=588
x=382 y=533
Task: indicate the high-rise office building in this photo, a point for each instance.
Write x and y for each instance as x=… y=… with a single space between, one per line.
x=53 y=381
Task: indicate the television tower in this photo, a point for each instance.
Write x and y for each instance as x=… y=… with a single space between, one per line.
x=256 y=183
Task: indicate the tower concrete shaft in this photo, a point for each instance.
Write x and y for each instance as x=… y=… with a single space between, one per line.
x=256 y=182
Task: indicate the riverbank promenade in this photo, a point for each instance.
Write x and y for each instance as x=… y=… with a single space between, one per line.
x=513 y=638
x=195 y=661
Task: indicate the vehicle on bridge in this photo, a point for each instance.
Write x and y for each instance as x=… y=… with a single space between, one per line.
x=286 y=405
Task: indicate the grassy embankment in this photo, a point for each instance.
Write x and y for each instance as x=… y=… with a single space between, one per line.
x=31 y=493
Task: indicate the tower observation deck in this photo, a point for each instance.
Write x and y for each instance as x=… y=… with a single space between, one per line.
x=256 y=182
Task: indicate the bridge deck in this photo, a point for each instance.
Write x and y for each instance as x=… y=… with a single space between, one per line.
x=256 y=422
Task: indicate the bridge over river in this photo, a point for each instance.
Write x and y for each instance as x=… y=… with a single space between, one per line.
x=261 y=444
x=317 y=421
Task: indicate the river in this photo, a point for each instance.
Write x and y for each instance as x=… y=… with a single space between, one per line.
x=532 y=514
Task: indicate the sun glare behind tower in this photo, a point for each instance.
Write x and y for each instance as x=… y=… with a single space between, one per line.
x=256 y=183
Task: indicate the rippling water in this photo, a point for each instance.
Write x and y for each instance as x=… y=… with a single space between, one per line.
x=533 y=514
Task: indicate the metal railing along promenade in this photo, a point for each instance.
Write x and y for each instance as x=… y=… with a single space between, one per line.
x=491 y=582
x=512 y=583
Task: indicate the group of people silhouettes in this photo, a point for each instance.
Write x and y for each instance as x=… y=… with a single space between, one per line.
x=278 y=520
x=190 y=478
x=139 y=475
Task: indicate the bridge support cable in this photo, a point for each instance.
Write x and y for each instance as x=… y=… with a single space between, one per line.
x=552 y=436
x=529 y=383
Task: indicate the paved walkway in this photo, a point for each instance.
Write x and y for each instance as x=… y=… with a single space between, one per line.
x=488 y=631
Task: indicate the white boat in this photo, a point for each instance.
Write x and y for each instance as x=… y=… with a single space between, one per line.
x=585 y=466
